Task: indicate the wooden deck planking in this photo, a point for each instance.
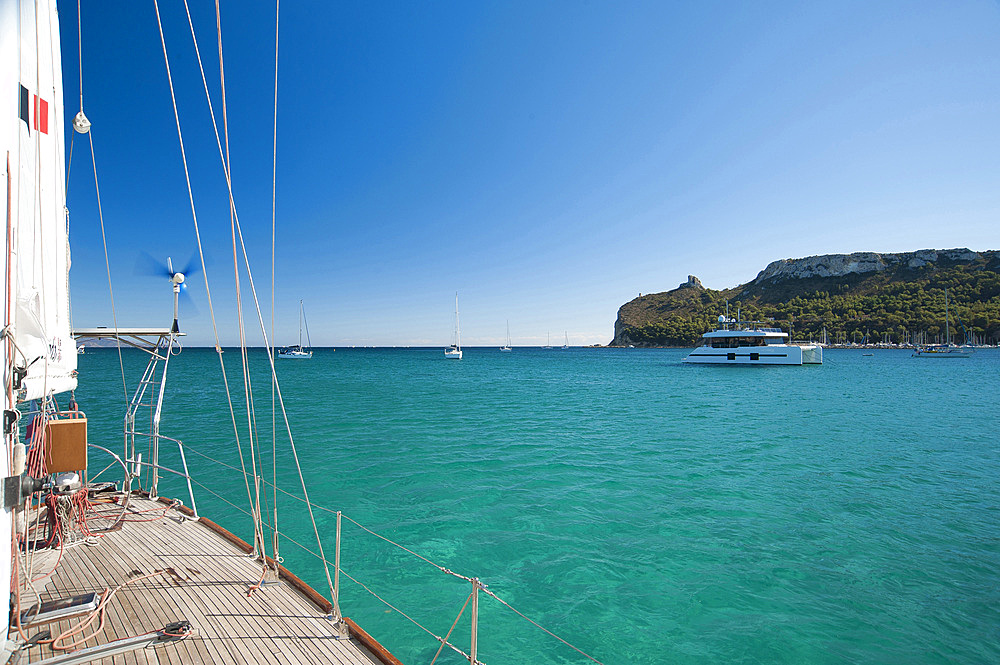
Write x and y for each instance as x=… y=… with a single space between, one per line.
x=206 y=584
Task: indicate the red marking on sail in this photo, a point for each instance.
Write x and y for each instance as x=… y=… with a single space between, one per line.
x=41 y=115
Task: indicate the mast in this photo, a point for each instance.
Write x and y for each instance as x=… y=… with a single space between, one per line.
x=305 y=320
x=458 y=331
x=947 y=326
x=300 y=324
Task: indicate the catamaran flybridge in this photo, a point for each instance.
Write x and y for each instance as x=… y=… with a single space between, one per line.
x=737 y=342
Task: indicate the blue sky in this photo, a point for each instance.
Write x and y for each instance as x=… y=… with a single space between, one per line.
x=547 y=160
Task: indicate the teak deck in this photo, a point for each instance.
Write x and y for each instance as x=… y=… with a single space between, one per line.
x=205 y=582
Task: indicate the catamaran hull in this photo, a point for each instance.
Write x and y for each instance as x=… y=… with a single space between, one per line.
x=774 y=354
x=453 y=355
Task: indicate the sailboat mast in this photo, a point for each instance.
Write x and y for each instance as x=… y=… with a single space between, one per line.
x=458 y=330
x=300 y=324
x=947 y=324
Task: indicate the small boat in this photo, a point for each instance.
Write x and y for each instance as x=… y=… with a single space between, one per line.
x=566 y=343
x=737 y=342
x=506 y=347
x=454 y=352
x=548 y=343
x=297 y=351
x=946 y=350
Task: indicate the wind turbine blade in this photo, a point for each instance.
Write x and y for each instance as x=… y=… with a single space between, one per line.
x=193 y=266
x=190 y=309
x=147 y=265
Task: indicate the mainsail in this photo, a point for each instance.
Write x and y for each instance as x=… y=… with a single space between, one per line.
x=37 y=353
x=36 y=263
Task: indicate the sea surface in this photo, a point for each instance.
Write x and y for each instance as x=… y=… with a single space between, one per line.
x=644 y=510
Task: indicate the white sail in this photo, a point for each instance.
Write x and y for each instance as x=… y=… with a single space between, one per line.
x=36 y=306
x=35 y=264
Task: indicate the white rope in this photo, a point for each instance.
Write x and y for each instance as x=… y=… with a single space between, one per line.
x=197 y=233
x=454 y=623
x=263 y=328
x=537 y=625
x=404 y=614
x=258 y=535
x=79 y=46
x=274 y=184
x=100 y=208
x=107 y=265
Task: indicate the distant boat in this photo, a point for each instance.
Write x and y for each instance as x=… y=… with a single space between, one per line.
x=297 y=351
x=506 y=347
x=79 y=350
x=454 y=352
x=946 y=350
x=548 y=344
x=566 y=344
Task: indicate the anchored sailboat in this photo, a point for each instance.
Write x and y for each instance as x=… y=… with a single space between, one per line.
x=506 y=346
x=454 y=352
x=297 y=351
x=946 y=350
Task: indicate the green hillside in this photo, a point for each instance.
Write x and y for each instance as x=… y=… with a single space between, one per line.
x=899 y=304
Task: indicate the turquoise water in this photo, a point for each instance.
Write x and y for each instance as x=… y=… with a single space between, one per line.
x=644 y=510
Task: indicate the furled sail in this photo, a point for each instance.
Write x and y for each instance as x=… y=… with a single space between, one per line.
x=36 y=303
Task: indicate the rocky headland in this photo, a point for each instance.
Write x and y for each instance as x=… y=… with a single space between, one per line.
x=897 y=297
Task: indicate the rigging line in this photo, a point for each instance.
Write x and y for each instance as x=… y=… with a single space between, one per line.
x=247 y=387
x=277 y=489
x=391 y=542
x=274 y=182
x=79 y=45
x=197 y=233
x=445 y=640
x=260 y=319
x=537 y=625
x=107 y=265
x=404 y=614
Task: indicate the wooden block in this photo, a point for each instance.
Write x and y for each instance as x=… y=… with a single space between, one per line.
x=66 y=448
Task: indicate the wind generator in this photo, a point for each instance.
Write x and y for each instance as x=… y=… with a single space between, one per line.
x=160 y=344
x=178 y=279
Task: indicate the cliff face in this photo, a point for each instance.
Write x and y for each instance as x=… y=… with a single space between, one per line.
x=901 y=292
x=840 y=265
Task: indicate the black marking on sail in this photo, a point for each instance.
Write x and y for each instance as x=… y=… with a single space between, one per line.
x=24 y=107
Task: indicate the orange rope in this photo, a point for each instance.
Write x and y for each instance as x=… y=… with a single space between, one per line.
x=97 y=613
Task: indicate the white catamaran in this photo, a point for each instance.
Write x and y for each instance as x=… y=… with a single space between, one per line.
x=454 y=352
x=737 y=342
x=297 y=351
